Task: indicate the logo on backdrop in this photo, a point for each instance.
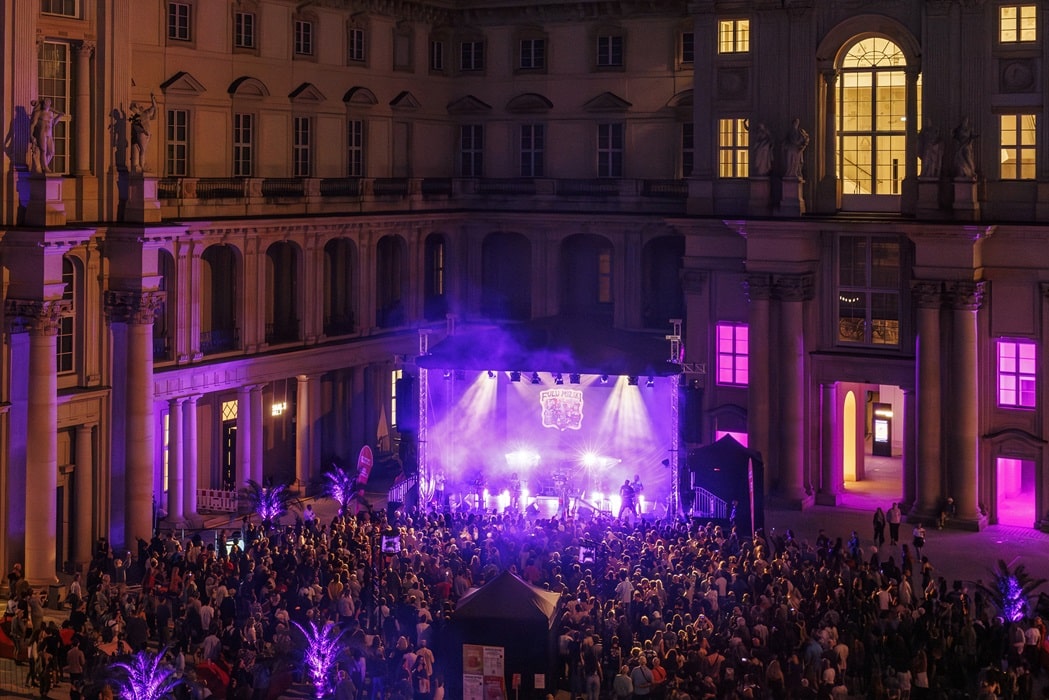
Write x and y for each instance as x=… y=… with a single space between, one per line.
x=562 y=408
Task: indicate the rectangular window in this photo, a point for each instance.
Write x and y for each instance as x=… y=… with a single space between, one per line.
x=604 y=276
x=533 y=139
x=355 y=45
x=244 y=30
x=609 y=51
x=688 y=148
x=471 y=150
x=303 y=37
x=869 y=291
x=178 y=21
x=243 y=145
x=395 y=376
x=533 y=54
x=733 y=354
x=64 y=343
x=437 y=56
x=688 y=48
x=1016 y=373
x=734 y=36
x=66 y=8
x=1018 y=135
x=1017 y=23
x=54 y=83
x=302 y=155
x=166 y=451
x=733 y=148
x=177 y=144
x=355 y=144
x=471 y=55
x=610 y=150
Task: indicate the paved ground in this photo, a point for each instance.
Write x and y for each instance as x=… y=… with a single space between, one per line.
x=955 y=555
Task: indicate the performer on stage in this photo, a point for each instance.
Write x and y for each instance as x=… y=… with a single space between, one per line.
x=515 y=493
x=438 y=489
x=563 y=501
x=628 y=499
x=478 y=487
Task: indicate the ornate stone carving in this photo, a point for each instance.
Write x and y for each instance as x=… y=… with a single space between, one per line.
x=928 y=295
x=36 y=317
x=793 y=287
x=758 y=287
x=966 y=296
x=132 y=307
x=1017 y=75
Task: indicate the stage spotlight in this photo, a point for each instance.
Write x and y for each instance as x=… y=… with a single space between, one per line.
x=491 y=374
x=631 y=380
x=650 y=383
x=558 y=379
x=604 y=379
x=573 y=379
x=536 y=379
x=447 y=374
x=515 y=376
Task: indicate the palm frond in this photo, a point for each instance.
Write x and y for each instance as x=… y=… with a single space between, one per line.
x=146 y=677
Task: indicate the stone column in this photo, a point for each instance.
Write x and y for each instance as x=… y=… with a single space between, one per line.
x=244 y=441
x=305 y=444
x=176 y=464
x=189 y=458
x=826 y=175
x=929 y=479
x=256 y=433
x=41 y=320
x=792 y=291
x=758 y=289
x=964 y=436
x=82 y=122
x=136 y=309
x=910 y=463
x=84 y=539
x=832 y=478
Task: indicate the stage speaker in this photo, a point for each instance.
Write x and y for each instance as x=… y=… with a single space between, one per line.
x=692 y=416
x=407 y=403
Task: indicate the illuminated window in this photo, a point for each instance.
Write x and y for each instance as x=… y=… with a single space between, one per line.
x=65 y=343
x=872 y=119
x=243 y=144
x=244 y=30
x=533 y=137
x=733 y=148
x=1017 y=23
x=533 y=54
x=229 y=410
x=610 y=143
x=869 y=290
x=471 y=56
x=610 y=51
x=1016 y=373
x=471 y=150
x=166 y=451
x=355 y=141
x=355 y=45
x=688 y=148
x=1018 y=138
x=66 y=8
x=54 y=83
x=733 y=354
x=178 y=21
x=302 y=153
x=177 y=144
x=734 y=36
x=303 y=37
x=395 y=376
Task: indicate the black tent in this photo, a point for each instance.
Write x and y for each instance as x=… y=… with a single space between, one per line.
x=731 y=472
x=511 y=613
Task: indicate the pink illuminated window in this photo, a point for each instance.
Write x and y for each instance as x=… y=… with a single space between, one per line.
x=1016 y=373
x=733 y=354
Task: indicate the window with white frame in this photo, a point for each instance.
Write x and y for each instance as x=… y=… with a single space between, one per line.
x=303 y=39
x=244 y=30
x=1017 y=361
x=65 y=343
x=53 y=82
x=1017 y=24
x=1019 y=146
x=395 y=377
x=302 y=152
x=610 y=143
x=734 y=36
x=179 y=17
x=355 y=45
x=733 y=148
x=243 y=144
x=533 y=141
x=610 y=51
x=869 y=279
x=471 y=56
x=355 y=145
x=733 y=354
x=471 y=150
x=177 y=144
x=687 y=48
x=437 y=56
x=533 y=54
x=688 y=148
x=65 y=8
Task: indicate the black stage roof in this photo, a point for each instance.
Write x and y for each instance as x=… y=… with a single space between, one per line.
x=555 y=344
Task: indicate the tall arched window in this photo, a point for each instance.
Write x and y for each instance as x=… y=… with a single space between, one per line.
x=872 y=124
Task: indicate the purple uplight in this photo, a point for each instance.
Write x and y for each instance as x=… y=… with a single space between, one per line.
x=146 y=677
x=340 y=485
x=322 y=653
x=1014 y=602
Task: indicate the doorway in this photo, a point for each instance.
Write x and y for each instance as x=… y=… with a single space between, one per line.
x=1015 y=479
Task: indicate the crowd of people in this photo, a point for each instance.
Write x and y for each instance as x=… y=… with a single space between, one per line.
x=659 y=609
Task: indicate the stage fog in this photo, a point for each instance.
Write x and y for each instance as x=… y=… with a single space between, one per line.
x=590 y=432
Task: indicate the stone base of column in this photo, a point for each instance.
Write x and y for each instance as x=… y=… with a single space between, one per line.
x=760 y=195
x=700 y=196
x=142 y=207
x=966 y=205
x=45 y=206
x=975 y=524
x=829 y=499
x=928 y=198
x=803 y=501
x=42 y=582
x=792 y=202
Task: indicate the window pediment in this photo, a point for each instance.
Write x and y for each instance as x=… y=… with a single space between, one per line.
x=246 y=86
x=307 y=93
x=360 y=96
x=607 y=102
x=468 y=105
x=405 y=101
x=529 y=103
x=182 y=83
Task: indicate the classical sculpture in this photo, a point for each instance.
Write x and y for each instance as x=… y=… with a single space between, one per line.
x=965 y=147
x=140 y=118
x=761 y=151
x=793 y=148
x=42 y=135
x=930 y=150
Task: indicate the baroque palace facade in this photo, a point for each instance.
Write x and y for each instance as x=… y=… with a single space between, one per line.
x=844 y=202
